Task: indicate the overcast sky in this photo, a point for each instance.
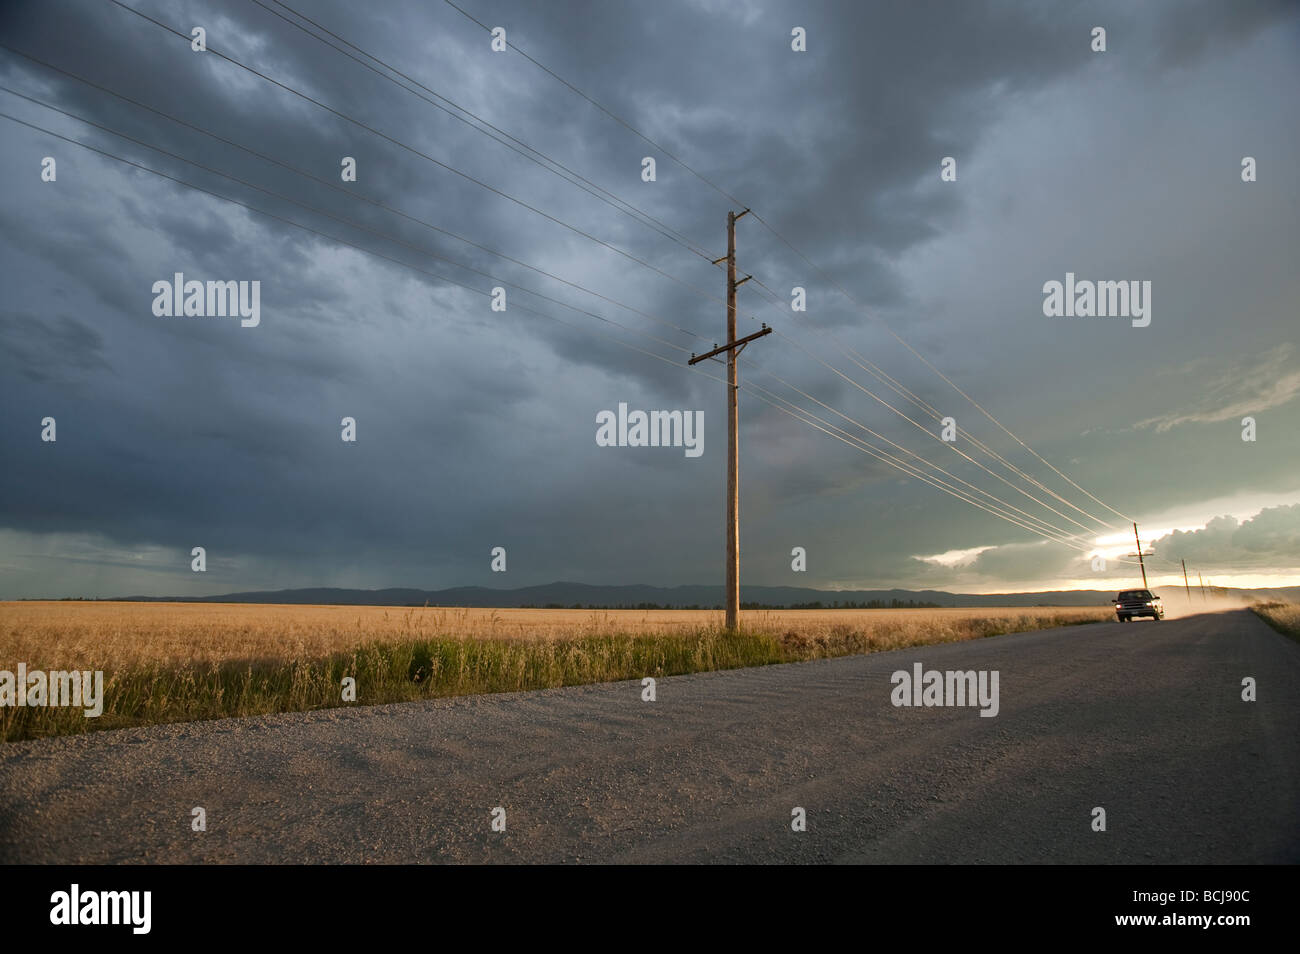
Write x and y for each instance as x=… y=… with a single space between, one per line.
x=477 y=429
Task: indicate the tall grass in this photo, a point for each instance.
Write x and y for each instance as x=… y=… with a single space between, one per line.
x=152 y=676
x=1283 y=617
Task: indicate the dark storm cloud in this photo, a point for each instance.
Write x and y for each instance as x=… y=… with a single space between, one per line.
x=476 y=428
x=39 y=347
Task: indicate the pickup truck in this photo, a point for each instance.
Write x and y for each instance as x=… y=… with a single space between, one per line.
x=1131 y=603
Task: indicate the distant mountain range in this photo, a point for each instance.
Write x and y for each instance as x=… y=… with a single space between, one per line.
x=584 y=596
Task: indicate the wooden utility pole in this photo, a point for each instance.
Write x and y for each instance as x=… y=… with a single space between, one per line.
x=1200 y=583
x=733 y=347
x=1185 y=584
x=1141 y=562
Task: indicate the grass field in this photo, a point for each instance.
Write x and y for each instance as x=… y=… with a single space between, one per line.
x=170 y=662
x=1283 y=617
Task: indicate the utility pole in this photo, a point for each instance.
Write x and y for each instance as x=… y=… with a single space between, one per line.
x=1141 y=562
x=1201 y=583
x=1185 y=586
x=732 y=348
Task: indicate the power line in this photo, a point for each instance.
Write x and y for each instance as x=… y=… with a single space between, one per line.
x=333 y=238
x=950 y=445
x=906 y=393
x=340 y=219
x=1024 y=514
x=443 y=278
x=945 y=378
x=1062 y=536
x=356 y=194
x=423 y=155
x=381 y=235
x=317 y=211
x=387 y=66
x=921 y=427
x=618 y=119
x=731 y=198
x=840 y=434
x=925 y=430
x=490 y=188
x=513 y=143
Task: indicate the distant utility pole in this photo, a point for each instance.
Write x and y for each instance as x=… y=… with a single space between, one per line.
x=733 y=347
x=1202 y=585
x=1185 y=586
x=1141 y=562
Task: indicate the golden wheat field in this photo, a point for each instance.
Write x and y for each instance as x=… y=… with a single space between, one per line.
x=1284 y=617
x=74 y=634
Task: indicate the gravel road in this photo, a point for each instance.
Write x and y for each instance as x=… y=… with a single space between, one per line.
x=1145 y=720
